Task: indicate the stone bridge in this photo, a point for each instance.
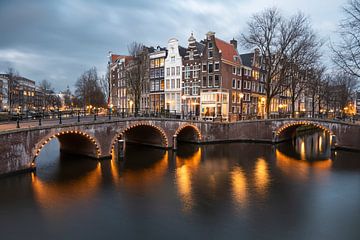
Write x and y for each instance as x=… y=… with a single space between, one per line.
x=20 y=147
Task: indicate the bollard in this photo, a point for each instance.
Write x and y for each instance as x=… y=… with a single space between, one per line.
x=39 y=121
x=174 y=142
x=121 y=149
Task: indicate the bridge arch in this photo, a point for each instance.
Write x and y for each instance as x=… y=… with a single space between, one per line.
x=71 y=141
x=188 y=133
x=287 y=131
x=143 y=133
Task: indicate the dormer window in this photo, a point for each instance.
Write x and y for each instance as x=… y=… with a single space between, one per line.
x=236 y=58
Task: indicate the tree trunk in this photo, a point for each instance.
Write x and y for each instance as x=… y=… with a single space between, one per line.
x=267 y=107
x=293 y=107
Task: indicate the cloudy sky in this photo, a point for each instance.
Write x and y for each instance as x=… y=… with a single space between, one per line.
x=58 y=40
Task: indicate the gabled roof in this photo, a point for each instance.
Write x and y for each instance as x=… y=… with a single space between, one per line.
x=200 y=47
x=228 y=51
x=247 y=59
x=115 y=57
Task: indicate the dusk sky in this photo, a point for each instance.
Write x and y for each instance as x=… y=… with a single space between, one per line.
x=58 y=40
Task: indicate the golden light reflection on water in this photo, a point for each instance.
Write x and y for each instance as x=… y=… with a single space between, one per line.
x=185 y=168
x=239 y=186
x=302 y=149
x=261 y=177
x=140 y=179
x=52 y=197
x=299 y=169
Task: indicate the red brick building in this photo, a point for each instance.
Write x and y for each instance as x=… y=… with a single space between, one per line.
x=220 y=94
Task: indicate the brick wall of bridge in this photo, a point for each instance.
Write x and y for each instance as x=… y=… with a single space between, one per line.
x=20 y=147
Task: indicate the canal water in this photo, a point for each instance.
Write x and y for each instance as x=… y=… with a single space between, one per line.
x=297 y=190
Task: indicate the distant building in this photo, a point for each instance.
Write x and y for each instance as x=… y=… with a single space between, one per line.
x=4 y=105
x=22 y=95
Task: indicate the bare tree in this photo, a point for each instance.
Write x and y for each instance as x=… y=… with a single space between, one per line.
x=302 y=56
x=314 y=84
x=345 y=85
x=347 y=51
x=136 y=72
x=88 y=90
x=275 y=36
x=12 y=77
x=68 y=97
x=47 y=90
x=104 y=85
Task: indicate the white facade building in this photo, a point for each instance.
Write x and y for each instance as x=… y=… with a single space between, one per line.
x=173 y=76
x=4 y=105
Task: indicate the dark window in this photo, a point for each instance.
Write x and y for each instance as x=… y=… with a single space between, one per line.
x=217 y=81
x=204 y=67
x=211 y=68
x=211 y=81
x=210 y=45
x=217 y=66
x=210 y=54
x=204 y=81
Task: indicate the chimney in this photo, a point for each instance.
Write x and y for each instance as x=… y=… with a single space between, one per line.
x=234 y=43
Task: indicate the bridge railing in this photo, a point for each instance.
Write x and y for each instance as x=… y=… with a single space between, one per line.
x=78 y=115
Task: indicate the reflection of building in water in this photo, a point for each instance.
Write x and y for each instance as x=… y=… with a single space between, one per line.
x=295 y=168
x=239 y=186
x=185 y=168
x=313 y=147
x=261 y=177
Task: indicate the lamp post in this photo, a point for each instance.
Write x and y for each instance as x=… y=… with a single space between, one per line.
x=262 y=107
x=241 y=103
x=183 y=98
x=18 y=117
x=110 y=109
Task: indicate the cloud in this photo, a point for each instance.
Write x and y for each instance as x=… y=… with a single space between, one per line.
x=58 y=40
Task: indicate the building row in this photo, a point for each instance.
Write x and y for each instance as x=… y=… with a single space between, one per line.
x=22 y=94
x=207 y=79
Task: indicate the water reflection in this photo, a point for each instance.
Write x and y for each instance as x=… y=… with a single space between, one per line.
x=262 y=177
x=308 y=153
x=239 y=187
x=143 y=167
x=312 y=146
x=187 y=162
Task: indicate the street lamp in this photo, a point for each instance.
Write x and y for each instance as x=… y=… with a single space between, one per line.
x=183 y=98
x=110 y=109
x=262 y=99
x=241 y=95
x=18 y=117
